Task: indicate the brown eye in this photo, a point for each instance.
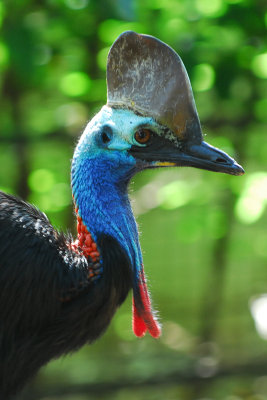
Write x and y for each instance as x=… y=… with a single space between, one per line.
x=142 y=136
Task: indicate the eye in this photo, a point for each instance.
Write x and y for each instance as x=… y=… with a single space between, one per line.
x=142 y=136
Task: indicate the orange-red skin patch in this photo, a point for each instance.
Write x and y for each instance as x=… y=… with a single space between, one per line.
x=84 y=243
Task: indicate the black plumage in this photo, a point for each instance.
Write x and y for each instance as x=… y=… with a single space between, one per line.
x=51 y=307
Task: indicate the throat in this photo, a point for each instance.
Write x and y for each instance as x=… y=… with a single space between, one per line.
x=103 y=207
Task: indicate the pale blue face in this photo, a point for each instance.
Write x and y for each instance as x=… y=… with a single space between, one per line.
x=110 y=134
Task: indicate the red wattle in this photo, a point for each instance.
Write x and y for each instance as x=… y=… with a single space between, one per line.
x=139 y=326
x=85 y=242
x=144 y=319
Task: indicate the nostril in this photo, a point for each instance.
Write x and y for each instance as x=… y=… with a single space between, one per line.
x=105 y=137
x=220 y=160
x=106 y=134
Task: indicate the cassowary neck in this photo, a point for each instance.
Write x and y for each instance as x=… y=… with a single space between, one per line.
x=100 y=195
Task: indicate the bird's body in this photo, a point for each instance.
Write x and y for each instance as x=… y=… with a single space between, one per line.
x=52 y=306
x=58 y=293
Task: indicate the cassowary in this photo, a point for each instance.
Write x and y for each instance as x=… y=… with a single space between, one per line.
x=58 y=293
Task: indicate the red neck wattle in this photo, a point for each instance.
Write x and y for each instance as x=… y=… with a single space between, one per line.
x=143 y=317
x=84 y=241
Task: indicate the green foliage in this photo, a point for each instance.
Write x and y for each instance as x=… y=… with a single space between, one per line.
x=203 y=234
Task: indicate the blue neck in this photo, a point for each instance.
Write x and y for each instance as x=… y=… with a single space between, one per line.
x=104 y=207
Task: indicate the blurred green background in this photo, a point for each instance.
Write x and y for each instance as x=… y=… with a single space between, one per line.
x=203 y=234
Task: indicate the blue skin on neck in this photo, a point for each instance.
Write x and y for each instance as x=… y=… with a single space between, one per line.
x=100 y=175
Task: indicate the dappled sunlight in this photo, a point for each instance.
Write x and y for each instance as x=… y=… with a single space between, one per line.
x=203 y=77
x=258 y=308
x=72 y=116
x=259 y=65
x=175 y=194
x=41 y=180
x=253 y=199
x=146 y=198
x=76 y=4
x=211 y=9
x=47 y=193
x=167 y=190
x=75 y=84
x=207 y=367
x=176 y=337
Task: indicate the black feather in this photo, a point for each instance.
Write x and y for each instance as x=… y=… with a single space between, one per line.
x=37 y=267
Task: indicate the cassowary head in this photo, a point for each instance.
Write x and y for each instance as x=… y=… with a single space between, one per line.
x=150 y=121
x=150 y=118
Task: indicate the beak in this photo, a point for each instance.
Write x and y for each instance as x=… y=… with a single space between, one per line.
x=165 y=153
x=207 y=157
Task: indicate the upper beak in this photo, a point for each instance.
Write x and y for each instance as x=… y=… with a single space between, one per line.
x=200 y=155
x=205 y=156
